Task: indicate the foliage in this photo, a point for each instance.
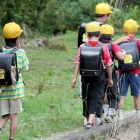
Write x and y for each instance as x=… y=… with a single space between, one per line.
x=130 y=2
x=52 y=16
x=117 y=19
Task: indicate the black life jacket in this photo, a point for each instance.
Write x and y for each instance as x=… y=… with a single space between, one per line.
x=8 y=67
x=82 y=31
x=132 y=56
x=91 y=62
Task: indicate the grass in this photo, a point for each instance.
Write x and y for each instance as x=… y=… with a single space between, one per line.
x=56 y=107
x=126 y=132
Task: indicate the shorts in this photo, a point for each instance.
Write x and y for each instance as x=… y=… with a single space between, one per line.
x=11 y=106
x=92 y=93
x=113 y=93
x=131 y=79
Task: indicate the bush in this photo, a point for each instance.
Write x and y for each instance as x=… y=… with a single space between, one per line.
x=119 y=16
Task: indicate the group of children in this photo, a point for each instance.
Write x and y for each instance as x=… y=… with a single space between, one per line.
x=96 y=90
x=106 y=88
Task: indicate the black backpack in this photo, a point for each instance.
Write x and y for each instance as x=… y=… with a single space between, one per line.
x=91 y=62
x=8 y=68
x=132 y=56
x=80 y=33
x=109 y=46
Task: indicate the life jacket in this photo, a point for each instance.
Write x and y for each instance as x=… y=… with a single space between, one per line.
x=82 y=38
x=8 y=68
x=91 y=61
x=132 y=56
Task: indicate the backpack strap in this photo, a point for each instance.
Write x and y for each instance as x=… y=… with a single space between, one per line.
x=87 y=44
x=13 y=51
x=98 y=45
x=1 y=50
x=135 y=39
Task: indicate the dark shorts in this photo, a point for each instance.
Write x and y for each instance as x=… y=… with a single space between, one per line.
x=131 y=79
x=113 y=93
x=92 y=93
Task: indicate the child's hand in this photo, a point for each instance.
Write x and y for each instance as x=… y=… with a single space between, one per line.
x=109 y=83
x=73 y=82
x=125 y=39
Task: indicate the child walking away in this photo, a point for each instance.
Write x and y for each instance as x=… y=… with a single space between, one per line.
x=102 y=14
x=12 y=95
x=94 y=78
x=129 y=69
x=111 y=93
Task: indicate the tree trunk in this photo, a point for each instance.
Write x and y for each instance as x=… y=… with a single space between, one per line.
x=40 y=8
x=116 y=3
x=1 y=11
x=119 y=3
x=111 y=2
x=26 y=30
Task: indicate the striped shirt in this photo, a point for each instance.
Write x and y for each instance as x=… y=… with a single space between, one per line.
x=17 y=91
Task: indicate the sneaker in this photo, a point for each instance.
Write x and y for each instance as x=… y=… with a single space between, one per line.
x=109 y=119
x=85 y=121
x=97 y=123
x=80 y=95
x=120 y=116
x=138 y=113
x=88 y=126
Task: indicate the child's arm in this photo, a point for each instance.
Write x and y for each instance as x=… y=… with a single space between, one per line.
x=73 y=82
x=122 y=39
x=109 y=72
x=121 y=55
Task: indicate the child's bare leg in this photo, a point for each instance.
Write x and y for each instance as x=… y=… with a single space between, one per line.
x=3 y=120
x=13 y=125
x=91 y=118
x=120 y=108
x=121 y=104
x=137 y=102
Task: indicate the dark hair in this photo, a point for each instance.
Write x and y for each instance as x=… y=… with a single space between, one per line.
x=10 y=42
x=100 y=15
x=105 y=37
x=96 y=34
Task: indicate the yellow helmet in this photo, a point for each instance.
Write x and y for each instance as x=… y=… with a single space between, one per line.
x=103 y=8
x=107 y=29
x=92 y=27
x=11 y=30
x=130 y=26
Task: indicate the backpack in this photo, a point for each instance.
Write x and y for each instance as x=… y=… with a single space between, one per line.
x=132 y=56
x=80 y=33
x=8 y=68
x=91 y=62
x=109 y=46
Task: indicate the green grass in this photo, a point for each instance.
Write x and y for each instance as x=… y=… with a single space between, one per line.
x=55 y=68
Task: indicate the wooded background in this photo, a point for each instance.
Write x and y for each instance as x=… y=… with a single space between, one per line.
x=47 y=16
